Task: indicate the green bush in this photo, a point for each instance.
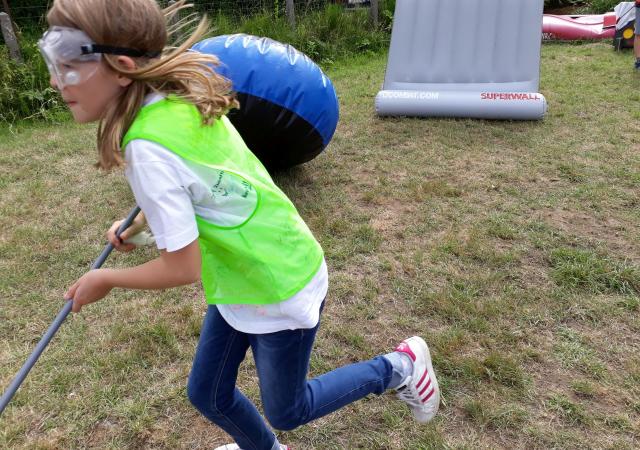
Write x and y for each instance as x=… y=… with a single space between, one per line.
x=583 y=6
x=324 y=35
x=562 y=3
x=24 y=87
x=602 y=6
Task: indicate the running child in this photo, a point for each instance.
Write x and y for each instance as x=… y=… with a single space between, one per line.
x=217 y=217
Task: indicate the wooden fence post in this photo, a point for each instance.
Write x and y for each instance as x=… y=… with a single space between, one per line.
x=291 y=14
x=373 y=13
x=5 y=6
x=10 y=37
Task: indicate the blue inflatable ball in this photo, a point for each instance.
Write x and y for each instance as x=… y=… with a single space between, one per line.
x=288 y=106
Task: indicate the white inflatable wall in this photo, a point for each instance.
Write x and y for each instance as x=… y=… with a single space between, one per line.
x=462 y=58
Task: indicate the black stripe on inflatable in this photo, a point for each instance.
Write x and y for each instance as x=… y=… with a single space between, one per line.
x=277 y=136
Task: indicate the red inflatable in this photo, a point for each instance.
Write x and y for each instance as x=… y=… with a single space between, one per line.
x=602 y=26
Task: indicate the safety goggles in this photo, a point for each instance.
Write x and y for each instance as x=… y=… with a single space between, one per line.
x=72 y=57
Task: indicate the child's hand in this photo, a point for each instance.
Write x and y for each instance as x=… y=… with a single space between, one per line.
x=90 y=287
x=136 y=227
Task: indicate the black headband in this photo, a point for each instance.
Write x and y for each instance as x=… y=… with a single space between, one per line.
x=95 y=48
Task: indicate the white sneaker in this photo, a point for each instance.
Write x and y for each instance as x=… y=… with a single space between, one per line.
x=420 y=389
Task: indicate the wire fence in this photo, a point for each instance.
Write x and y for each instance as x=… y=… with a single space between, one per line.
x=32 y=12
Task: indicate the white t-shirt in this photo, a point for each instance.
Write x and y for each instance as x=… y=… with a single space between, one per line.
x=171 y=191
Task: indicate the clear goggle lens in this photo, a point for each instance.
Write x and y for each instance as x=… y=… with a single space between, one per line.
x=61 y=48
x=72 y=57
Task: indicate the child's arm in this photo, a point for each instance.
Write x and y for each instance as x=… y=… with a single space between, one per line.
x=171 y=269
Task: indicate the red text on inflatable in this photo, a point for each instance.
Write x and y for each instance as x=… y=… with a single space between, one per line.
x=509 y=96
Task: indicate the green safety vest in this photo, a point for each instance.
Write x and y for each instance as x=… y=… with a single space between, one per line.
x=257 y=250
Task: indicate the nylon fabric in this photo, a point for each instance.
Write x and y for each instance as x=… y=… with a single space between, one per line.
x=267 y=253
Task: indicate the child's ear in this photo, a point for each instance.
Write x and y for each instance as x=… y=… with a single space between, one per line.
x=128 y=64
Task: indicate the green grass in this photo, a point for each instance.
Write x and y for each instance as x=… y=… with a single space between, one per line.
x=584 y=270
x=511 y=247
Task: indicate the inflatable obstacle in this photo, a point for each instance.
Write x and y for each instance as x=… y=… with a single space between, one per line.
x=288 y=106
x=458 y=58
x=569 y=28
x=616 y=25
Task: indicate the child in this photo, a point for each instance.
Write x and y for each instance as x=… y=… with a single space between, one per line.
x=216 y=216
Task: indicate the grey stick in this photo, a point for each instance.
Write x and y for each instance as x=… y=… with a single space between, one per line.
x=64 y=312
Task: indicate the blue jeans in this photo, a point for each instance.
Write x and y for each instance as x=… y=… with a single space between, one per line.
x=282 y=361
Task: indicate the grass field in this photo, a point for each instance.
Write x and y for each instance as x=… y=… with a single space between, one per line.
x=513 y=248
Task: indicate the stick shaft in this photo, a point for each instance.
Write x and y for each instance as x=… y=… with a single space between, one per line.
x=53 y=328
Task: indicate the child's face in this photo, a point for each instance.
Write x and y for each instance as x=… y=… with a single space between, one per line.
x=89 y=99
x=78 y=71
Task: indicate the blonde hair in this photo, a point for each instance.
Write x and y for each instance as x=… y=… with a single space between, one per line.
x=143 y=25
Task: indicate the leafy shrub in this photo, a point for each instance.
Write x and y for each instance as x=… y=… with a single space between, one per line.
x=602 y=6
x=324 y=35
x=584 y=6
x=24 y=88
x=562 y=3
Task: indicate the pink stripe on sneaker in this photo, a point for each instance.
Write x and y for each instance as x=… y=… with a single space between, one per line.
x=425 y=388
x=428 y=396
x=421 y=380
x=404 y=348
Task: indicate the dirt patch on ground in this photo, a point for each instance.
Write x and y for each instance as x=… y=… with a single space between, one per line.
x=610 y=232
x=392 y=217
